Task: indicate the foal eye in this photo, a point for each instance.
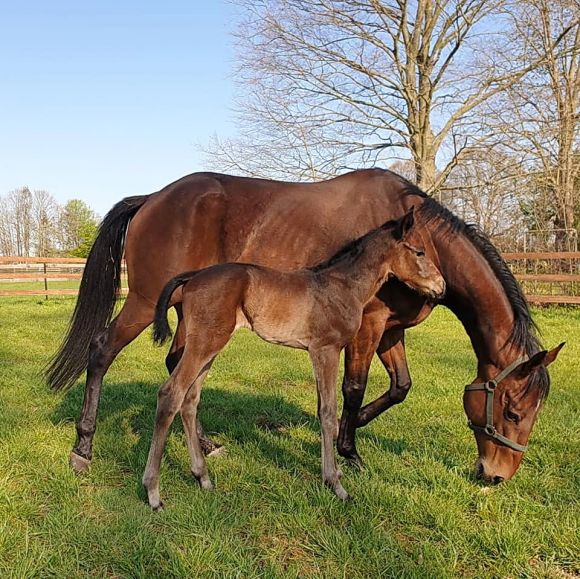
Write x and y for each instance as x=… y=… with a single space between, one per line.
x=420 y=253
x=511 y=416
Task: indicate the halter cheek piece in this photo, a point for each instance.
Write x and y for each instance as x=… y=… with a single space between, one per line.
x=489 y=388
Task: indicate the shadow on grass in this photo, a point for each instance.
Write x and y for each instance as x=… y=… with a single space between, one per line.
x=261 y=422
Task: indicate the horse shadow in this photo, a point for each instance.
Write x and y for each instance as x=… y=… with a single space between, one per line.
x=260 y=423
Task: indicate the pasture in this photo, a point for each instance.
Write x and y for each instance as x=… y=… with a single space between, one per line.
x=417 y=511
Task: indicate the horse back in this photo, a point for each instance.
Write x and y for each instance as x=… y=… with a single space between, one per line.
x=206 y=218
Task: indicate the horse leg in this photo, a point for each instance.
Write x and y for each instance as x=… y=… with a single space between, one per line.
x=133 y=318
x=191 y=428
x=325 y=362
x=357 y=360
x=208 y=446
x=393 y=357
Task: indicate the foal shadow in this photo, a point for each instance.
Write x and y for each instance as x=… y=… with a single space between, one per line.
x=257 y=421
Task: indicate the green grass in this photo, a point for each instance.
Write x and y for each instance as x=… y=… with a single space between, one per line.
x=417 y=511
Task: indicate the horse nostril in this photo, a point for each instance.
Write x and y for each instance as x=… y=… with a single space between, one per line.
x=497 y=479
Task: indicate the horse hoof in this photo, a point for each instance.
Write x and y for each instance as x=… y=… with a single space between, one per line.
x=79 y=464
x=217 y=451
x=355 y=461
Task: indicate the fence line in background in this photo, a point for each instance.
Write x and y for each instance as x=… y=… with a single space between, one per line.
x=547 y=277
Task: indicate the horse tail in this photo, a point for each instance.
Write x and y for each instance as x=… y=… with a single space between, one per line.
x=161 y=329
x=98 y=292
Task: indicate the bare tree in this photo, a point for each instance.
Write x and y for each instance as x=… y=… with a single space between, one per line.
x=45 y=212
x=540 y=115
x=19 y=220
x=7 y=243
x=336 y=84
x=485 y=191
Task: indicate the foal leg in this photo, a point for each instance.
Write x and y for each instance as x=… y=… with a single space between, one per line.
x=133 y=318
x=169 y=401
x=188 y=417
x=395 y=361
x=357 y=359
x=208 y=446
x=189 y=374
x=325 y=363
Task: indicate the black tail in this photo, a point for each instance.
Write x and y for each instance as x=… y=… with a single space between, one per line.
x=161 y=329
x=97 y=295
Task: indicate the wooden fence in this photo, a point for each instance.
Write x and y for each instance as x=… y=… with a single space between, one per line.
x=46 y=272
x=547 y=277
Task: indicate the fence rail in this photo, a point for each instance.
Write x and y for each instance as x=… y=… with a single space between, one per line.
x=547 y=277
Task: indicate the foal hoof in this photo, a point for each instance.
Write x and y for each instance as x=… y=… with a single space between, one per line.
x=204 y=482
x=158 y=508
x=341 y=493
x=79 y=464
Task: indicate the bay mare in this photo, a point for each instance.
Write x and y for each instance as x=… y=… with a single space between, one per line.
x=318 y=310
x=208 y=218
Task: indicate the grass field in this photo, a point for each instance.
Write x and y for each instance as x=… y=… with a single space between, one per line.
x=417 y=512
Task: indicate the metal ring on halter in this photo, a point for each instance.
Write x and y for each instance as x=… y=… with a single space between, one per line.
x=490 y=430
x=490 y=385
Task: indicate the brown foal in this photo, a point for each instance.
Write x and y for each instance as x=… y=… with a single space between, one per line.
x=318 y=309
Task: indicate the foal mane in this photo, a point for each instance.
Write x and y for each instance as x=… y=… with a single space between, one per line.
x=525 y=331
x=352 y=249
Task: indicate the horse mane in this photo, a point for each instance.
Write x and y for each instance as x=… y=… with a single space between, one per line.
x=525 y=331
x=352 y=249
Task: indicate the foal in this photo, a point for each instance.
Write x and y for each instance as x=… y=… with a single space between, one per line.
x=317 y=309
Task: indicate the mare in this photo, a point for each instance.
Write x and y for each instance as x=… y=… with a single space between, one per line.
x=209 y=218
x=318 y=309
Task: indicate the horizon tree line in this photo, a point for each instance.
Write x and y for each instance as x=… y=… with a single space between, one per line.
x=33 y=223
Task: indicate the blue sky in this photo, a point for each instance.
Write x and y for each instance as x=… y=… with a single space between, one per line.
x=101 y=100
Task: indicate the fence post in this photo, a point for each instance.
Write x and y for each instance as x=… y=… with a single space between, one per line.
x=45 y=281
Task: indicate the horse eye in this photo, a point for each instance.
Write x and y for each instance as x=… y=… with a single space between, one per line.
x=420 y=253
x=511 y=416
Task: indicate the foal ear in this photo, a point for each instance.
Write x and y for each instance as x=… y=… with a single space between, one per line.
x=405 y=224
x=541 y=359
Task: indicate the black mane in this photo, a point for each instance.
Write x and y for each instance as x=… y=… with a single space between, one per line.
x=524 y=332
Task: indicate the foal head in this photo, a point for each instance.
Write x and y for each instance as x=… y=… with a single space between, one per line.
x=410 y=264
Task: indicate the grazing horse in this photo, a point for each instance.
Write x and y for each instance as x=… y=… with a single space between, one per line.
x=318 y=309
x=208 y=218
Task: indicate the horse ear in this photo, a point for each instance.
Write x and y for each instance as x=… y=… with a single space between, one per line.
x=405 y=224
x=543 y=358
x=552 y=355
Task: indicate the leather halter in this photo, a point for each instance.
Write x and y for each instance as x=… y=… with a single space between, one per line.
x=489 y=388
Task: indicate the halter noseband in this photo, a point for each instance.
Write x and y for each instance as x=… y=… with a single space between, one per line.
x=489 y=388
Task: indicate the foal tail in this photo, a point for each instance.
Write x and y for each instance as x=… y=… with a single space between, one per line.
x=161 y=329
x=97 y=295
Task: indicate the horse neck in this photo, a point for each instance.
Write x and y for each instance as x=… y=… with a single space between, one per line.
x=366 y=272
x=478 y=299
